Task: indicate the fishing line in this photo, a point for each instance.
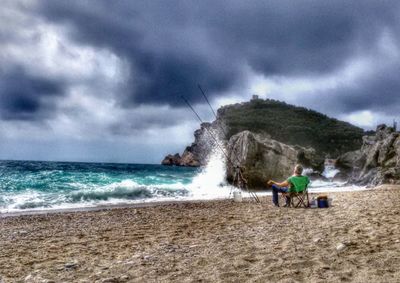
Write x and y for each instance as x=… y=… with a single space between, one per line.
x=208 y=131
x=209 y=104
x=252 y=194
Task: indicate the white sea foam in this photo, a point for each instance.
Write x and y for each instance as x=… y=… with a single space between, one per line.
x=331 y=189
x=330 y=171
x=211 y=181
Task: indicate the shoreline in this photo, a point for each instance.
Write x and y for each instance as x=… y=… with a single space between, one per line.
x=152 y=203
x=100 y=207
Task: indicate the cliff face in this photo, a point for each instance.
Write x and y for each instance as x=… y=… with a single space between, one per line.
x=265 y=158
x=378 y=160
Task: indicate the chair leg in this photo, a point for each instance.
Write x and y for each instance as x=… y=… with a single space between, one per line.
x=308 y=199
x=298 y=200
x=302 y=200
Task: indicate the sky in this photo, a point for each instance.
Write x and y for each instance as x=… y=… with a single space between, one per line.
x=101 y=80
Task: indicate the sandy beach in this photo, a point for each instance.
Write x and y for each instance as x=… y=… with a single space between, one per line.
x=356 y=240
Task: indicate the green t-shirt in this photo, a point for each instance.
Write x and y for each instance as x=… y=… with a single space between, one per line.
x=298 y=183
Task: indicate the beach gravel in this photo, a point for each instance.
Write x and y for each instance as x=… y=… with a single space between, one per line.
x=209 y=241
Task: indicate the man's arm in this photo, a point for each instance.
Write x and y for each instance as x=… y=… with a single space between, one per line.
x=283 y=184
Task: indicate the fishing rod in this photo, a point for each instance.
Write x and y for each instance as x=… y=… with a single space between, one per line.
x=252 y=194
x=220 y=126
x=208 y=131
x=238 y=170
x=209 y=104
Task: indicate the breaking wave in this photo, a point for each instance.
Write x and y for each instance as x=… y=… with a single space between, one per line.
x=53 y=185
x=57 y=185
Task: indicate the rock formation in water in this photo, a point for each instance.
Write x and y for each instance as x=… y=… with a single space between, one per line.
x=378 y=160
x=198 y=152
x=187 y=159
x=172 y=160
x=265 y=158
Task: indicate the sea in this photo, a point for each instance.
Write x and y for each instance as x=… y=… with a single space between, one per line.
x=38 y=185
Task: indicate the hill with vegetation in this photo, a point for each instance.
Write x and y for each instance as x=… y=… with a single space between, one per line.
x=292 y=125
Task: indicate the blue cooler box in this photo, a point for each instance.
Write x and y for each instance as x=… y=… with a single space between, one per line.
x=323 y=203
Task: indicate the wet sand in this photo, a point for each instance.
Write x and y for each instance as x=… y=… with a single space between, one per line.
x=356 y=240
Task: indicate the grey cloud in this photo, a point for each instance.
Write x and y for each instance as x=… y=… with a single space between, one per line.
x=167 y=47
x=171 y=46
x=378 y=92
x=155 y=118
x=25 y=96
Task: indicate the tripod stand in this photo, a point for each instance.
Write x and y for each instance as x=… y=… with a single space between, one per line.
x=240 y=182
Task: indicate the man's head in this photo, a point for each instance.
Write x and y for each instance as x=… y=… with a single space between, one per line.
x=298 y=169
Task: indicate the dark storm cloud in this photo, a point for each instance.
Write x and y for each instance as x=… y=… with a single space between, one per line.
x=25 y=96
x=109 y=71
x=164 y=53
x=153 y=118
x=171 y=46
x=379 y=92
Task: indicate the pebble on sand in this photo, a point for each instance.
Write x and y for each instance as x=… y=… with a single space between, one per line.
x=317 y=240
x=71 y=265
x=110 y=280
x=341 y=247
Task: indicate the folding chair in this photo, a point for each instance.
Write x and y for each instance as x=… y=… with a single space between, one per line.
x=298 y=198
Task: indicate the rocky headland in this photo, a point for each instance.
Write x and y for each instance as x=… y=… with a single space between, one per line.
x=267 y=138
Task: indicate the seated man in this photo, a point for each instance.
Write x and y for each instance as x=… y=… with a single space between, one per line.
x=290 y=185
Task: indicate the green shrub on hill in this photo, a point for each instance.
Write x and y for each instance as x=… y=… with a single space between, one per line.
x=292 y=125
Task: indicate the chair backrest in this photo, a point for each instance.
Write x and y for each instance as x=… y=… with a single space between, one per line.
x=298 y=183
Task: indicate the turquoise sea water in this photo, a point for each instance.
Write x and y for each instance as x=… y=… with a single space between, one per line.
x=34 y=185
x=43 y=185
